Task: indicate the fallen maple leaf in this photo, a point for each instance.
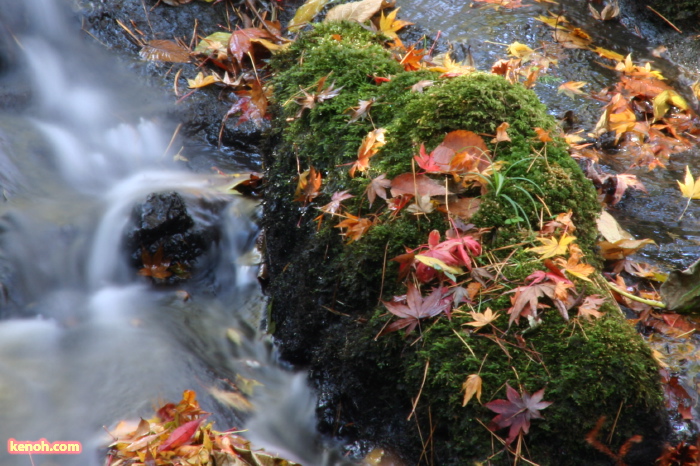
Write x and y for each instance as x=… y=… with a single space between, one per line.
x=517 y=411
x=155 y=266
x=417 y=185
x=251 y=103
x=551 y=246
x=415 y=309
x=202 y=81
x=571 y=88
x=589 y=308
x=378 y=187
x=333 y=207
x=690 y=189
x=389 y=25
x=482 y=319
x=370 y=145
x=361 y=111
x=308 y=186
x=240 y=44
x=355 y=227
x=471 y=387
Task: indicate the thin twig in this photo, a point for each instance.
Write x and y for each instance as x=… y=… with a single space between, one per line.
x=667 y=21
x=415 y=402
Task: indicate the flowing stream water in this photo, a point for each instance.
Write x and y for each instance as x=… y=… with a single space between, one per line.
x=84 y=340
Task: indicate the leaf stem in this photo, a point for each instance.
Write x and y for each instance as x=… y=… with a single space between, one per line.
x=686 y=208
x=650 y=302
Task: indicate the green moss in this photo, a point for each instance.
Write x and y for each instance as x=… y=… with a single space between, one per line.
x=326 y=291
x=589 y=371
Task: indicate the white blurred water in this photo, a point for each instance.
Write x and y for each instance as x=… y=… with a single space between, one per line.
x=84 y=340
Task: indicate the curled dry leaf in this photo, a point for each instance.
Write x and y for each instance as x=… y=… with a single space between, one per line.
x=370 y=146
x=309 y=186
x=471 y=387
x=354 y=227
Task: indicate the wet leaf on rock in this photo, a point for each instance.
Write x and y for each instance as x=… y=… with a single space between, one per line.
x=517 y=411
x=165 y=50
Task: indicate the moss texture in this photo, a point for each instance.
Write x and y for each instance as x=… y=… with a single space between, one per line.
x=325 y=293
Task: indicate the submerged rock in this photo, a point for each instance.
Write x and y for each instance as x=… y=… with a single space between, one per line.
x=325 y=292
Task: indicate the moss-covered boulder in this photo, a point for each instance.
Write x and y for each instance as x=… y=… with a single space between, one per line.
x=326 y=290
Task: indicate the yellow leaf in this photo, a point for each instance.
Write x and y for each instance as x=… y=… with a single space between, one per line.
x=551 y=247
x=471 y=387
x=305 y=13
x=389 y=25
x=519 y=50
x=482 y=319
x=663 y=102
x=690 y=188
x=605 y=53
x=355 y=11
x=622 y=248
x=437 y=264
x=571 y=88
x=201 y=81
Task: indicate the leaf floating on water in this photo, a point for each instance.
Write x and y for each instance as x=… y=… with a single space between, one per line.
x=165 y=50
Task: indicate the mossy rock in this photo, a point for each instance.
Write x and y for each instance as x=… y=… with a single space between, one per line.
x=325 y=292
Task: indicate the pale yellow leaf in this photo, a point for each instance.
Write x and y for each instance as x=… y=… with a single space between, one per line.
x=519 y=50
x=355 y=11
x=482 y=319
x=471 y=387
x=306 y=13
x=690 y=188
x=437 y=264
x=201 y=81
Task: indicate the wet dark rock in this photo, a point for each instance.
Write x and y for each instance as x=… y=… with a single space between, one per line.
x=163 y=222
x=200 y=113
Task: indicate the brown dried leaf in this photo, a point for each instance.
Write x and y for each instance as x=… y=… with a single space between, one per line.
x=165 y=50
x=420 y=185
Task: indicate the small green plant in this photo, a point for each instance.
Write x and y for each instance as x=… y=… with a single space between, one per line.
x=499 y=181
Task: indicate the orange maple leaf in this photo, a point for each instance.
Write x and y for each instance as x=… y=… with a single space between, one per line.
x=355 y=227
x=370 y=146
x=155 y=266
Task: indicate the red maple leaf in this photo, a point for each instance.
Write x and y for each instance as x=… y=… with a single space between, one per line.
x=415 y=309
x=517 y=411
x=457 y=252
x=427 y=161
